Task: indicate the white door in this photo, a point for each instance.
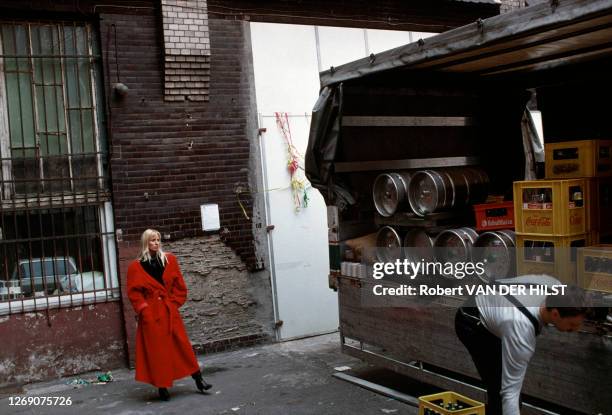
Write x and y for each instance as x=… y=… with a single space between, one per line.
x=304 y=302
x=286 y=80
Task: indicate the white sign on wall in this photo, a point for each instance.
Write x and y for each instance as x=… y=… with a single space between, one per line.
x=210 y=217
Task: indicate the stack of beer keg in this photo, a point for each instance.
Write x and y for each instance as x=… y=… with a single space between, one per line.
x=430 y=194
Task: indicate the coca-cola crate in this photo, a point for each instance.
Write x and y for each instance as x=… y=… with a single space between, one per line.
x=492 y=216
x=573 y=159
x=595 y=268
x=550 y=207
x=551 y=255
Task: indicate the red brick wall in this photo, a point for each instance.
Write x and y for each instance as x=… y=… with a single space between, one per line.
x=64 y=342
x=181 y=154
x=169 y=158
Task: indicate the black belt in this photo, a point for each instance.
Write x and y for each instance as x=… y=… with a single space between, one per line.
x=470 y=309
x=470 y=312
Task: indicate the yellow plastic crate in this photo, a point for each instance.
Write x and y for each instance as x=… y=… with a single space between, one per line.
x=572 y=159
x=551 y=255
x=550 y=207
x=595 y=268
x=432 y=403
x=599 y=211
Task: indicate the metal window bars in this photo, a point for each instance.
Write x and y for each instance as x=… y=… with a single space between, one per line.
x=57 y=257
x=56 y=231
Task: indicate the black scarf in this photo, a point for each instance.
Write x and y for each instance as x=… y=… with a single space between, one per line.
x=154 y=268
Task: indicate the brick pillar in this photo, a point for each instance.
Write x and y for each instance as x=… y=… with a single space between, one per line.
x=186 y=50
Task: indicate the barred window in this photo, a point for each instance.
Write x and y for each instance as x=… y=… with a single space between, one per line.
x=56 y=230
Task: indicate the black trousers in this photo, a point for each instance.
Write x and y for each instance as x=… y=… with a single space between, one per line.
x=486 y=351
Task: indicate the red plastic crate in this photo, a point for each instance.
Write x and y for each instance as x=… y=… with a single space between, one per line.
x=491 y=216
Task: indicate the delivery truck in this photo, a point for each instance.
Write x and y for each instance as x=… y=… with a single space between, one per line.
x=463 y=100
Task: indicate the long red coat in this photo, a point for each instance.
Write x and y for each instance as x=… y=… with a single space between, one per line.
x=163 y=350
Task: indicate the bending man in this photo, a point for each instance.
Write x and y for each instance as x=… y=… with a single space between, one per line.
x=500 y=334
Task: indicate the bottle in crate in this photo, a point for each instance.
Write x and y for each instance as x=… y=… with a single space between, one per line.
x=573 y=159
x=551 y=255
x=595 y=268
x=550 y=207
x=449 y=403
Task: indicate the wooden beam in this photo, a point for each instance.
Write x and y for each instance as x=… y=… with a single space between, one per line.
x=418 y=16
x=365 y=121
x=406 y=164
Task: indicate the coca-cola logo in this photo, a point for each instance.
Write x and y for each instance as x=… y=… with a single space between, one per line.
x=538 y=221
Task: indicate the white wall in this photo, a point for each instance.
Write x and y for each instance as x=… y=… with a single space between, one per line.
x=286 y=72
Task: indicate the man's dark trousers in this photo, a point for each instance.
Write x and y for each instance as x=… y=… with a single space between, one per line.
x=486 y=351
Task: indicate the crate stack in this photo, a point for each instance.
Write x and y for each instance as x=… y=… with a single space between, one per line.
x=565 y=211
x=592 y=160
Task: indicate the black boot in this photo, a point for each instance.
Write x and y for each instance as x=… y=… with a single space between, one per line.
x=200 y=383
x=164 y=395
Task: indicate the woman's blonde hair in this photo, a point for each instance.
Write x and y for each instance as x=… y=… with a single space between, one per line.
x=144 y=241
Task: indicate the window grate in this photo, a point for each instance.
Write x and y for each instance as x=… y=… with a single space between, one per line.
x=51 y=141
x=56 y=231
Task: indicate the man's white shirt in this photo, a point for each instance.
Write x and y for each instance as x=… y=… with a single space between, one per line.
x=517 y=334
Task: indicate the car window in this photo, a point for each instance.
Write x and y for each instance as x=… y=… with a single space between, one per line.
x=29 y=269
x=53 y=266
x=59 y=266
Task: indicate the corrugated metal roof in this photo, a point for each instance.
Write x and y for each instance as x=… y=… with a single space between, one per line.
x=530 y=39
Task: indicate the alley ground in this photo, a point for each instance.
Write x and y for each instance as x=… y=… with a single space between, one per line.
x=290 y=378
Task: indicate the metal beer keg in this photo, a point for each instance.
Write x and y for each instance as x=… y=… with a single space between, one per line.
x=496 y=250
x=429 y=191
x=390 y=193
x=388 y=244
x=418 y=245
x=478 y=184
x=455 y=245
x=436 y=190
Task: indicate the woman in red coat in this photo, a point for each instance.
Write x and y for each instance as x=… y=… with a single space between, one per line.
x=156 y=290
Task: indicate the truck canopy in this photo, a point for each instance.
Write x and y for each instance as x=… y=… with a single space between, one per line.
x=491 y=63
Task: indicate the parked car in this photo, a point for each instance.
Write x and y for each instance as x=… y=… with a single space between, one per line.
x=55 y=275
